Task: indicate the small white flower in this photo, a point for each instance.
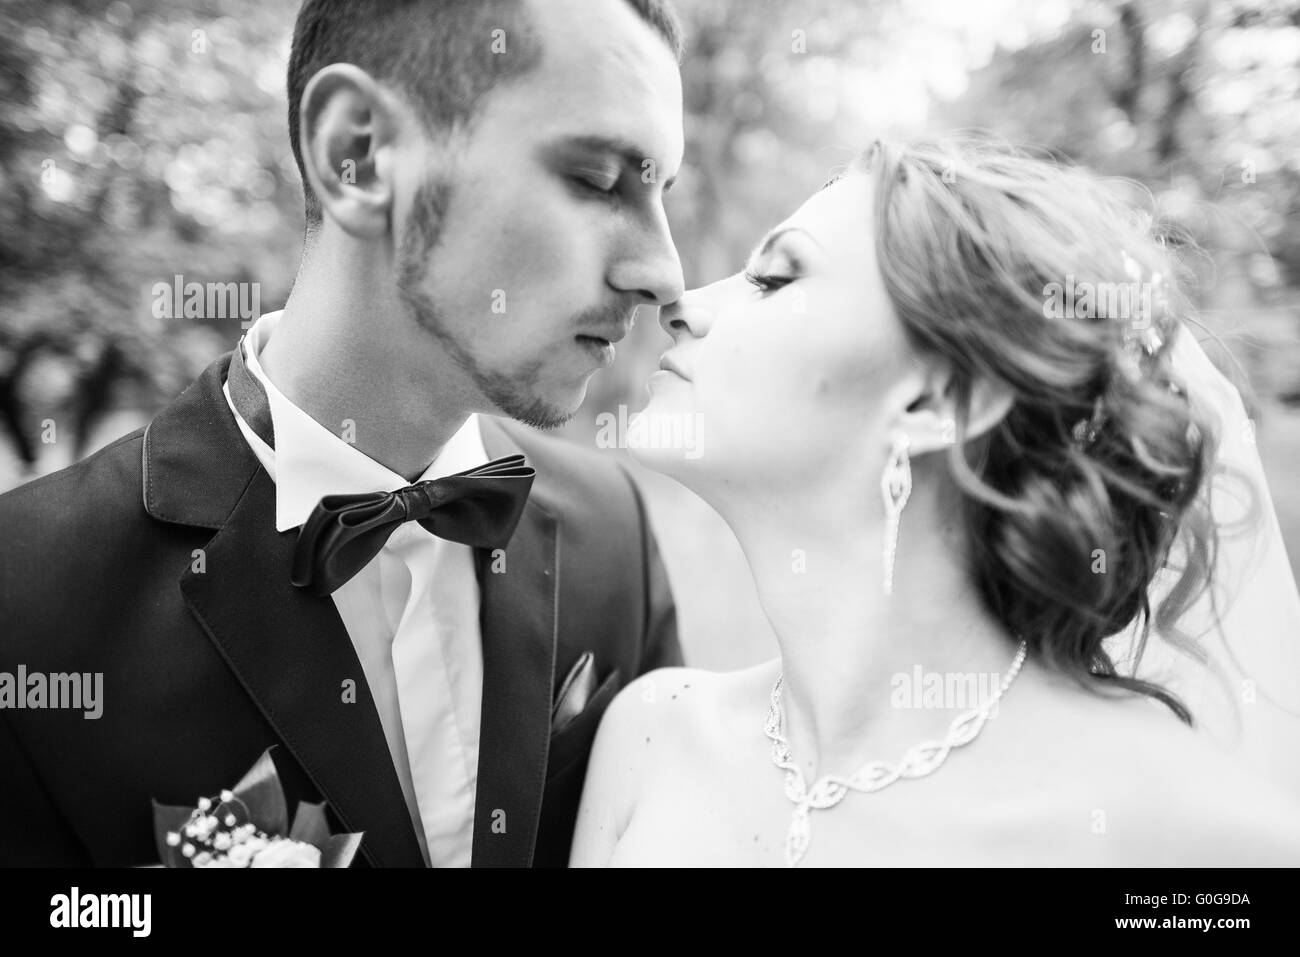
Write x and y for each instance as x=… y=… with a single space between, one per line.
x=173 y=838
x=204 y=804
x=286 y=853
x=202 y=860
x=222 y=841
x=230 y=820
x=187 y=850
x=226 y=797
x=240 y=855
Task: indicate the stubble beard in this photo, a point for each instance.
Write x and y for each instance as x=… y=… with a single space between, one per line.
x=514 y=393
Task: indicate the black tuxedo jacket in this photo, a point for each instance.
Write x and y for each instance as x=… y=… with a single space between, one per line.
x=156 y=562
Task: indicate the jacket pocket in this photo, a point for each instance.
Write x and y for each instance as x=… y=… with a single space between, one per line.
x=574 y=740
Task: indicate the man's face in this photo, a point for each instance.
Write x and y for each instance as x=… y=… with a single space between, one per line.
x=552 y=228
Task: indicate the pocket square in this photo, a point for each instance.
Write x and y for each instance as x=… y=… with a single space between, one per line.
x=575 y=692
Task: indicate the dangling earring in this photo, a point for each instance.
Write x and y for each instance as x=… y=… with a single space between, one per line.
x=895 y=487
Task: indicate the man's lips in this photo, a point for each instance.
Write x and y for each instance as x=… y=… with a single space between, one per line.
x=603 y=329
x=607 y=327
x=598 y=347
x=613 y=329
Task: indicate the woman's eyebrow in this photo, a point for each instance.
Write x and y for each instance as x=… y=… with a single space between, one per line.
x=775 y=235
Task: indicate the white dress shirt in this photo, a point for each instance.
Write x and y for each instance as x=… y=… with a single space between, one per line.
x=412 y=613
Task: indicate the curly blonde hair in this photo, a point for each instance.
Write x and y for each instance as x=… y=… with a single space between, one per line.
x=1102 y=458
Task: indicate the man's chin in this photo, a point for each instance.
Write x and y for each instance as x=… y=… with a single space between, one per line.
x=519 y=395
x=546 y=413
x=546 y=419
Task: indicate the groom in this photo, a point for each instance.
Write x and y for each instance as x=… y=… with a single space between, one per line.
x=484 y=183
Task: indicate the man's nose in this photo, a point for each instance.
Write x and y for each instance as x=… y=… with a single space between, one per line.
x=651 y=269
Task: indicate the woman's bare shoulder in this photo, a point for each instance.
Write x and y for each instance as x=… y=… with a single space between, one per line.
x=680 y=702
x=1204 y=806
x=660 y=718
x=1156 y=792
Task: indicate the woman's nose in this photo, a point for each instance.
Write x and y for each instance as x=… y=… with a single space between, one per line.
x=689 y=315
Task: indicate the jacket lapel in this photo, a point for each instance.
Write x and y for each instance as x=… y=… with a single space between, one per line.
x=519 y=621
x=288 y=649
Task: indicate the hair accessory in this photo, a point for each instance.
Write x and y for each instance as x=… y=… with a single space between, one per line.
x=1143 y=339
x=1085 y=430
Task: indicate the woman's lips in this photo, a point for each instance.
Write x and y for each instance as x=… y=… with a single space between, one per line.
x=669 y=364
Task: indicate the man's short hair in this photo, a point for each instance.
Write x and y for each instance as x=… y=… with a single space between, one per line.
x=437 y=52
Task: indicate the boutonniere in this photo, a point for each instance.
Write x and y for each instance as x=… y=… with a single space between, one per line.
x=248 y=826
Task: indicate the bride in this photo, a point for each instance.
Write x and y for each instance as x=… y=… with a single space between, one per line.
x=934 y=470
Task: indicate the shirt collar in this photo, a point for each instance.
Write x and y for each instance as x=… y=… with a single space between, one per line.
x=311 y=462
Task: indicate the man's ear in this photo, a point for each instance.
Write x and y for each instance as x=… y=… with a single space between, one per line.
x=348 y=126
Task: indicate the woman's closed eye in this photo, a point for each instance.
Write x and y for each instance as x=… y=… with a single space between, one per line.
x=771 y=267
x=766 y=281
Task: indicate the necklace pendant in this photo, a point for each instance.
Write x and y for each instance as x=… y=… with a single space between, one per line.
x=828 y=791
x=799 y=836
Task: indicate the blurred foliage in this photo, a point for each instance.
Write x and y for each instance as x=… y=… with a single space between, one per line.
x=1197 y=102
x=137 y=142
x=147 y=139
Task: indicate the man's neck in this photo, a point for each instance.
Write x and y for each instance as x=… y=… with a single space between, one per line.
x=331 y=358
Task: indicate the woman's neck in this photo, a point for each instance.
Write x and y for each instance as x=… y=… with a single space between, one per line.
x=868 y=675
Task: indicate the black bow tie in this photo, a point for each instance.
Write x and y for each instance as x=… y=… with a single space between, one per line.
x=480 y=507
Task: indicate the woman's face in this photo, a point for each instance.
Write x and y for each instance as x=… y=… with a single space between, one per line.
x=796 y=364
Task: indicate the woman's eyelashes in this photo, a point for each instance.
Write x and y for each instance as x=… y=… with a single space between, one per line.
x=767 y=282
x=769 y=273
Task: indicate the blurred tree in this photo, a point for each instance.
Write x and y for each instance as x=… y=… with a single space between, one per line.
x=1196 y=101
x=137 y=142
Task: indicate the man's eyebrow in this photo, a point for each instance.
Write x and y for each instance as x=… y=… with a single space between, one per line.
x=629 y=152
